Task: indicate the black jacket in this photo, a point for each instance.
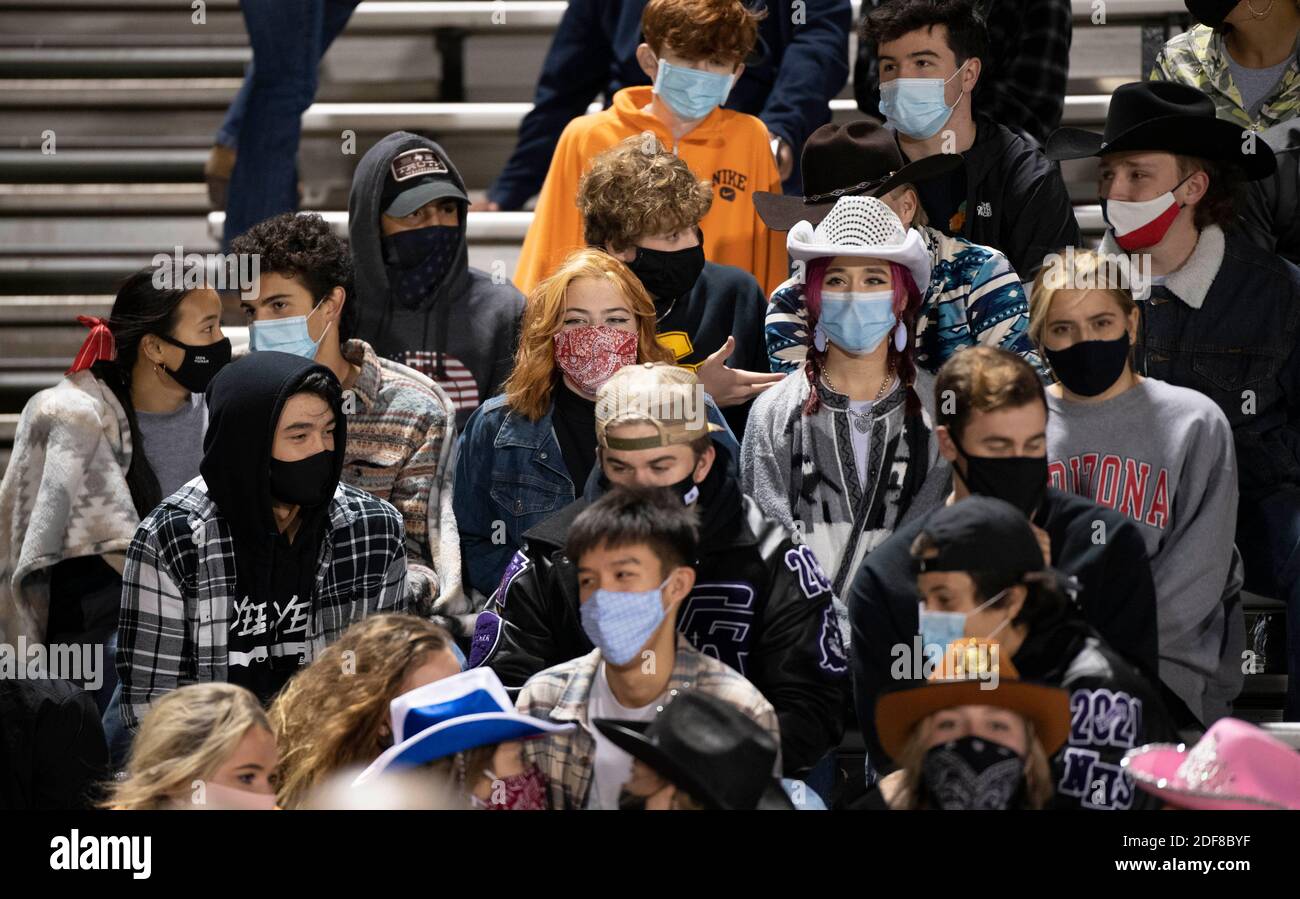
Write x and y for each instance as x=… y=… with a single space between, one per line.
x=1239 y=349
x=1016 y=200
x=52 y=749
x=1270 y=210
x=725 y=302
x=1115 y=591
x=760 y=603
x=1113 y=708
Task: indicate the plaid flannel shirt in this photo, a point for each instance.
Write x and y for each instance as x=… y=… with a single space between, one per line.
x=1025 y=73
x=561 y=693
x=1198 y=59
x=401 y=432
x=178 y=589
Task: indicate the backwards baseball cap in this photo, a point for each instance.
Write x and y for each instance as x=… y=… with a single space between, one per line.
x=416 y=177
x=664 y=396
x=981 y=533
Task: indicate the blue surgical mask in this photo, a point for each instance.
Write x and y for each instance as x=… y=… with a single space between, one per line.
x=915 y=106
x=857 y=322
x=285 y=335
x=620 y=622
x=939 y=630
x=691 y=93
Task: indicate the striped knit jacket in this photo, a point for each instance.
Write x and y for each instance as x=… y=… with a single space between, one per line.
x=401 y=435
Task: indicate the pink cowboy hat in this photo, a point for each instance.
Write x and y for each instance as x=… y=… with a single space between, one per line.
x=1234 y=766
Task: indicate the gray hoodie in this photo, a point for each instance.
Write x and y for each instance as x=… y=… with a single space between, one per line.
x=470 y=358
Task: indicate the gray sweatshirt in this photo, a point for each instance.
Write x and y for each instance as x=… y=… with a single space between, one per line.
x=1163 y=456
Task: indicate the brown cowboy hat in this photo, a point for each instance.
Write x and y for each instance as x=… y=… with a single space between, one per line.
x=963 y=678
x=858 y=158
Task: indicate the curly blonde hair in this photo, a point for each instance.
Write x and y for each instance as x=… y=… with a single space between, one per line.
x=528 y=390
x=636 y=189
x=186 y=736
x=331 y=714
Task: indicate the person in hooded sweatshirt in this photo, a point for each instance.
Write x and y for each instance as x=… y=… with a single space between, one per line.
x=418 y=301
x=248 y=572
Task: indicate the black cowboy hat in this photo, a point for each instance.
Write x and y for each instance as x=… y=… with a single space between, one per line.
x=858 y=158
x=1170 y=118
x=707 y=748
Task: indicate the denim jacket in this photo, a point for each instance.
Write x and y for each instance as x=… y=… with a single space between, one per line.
x=510 y=475
x=1230 y=330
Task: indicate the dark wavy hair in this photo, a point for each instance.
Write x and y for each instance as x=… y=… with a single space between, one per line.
x=139 y=309
x=304 y=247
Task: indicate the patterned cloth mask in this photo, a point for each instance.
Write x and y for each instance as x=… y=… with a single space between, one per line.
x=525 y=791
x=620 y=622
x=591 y=354
x=971 y=773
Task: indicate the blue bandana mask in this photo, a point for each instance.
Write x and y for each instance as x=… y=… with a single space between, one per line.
x=621 y=622
x=691 y=93
x=285 y=335
x=915 y=106
x=857 y=322
x=941 y=629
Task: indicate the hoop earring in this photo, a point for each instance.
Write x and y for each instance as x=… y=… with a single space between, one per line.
x=1260 y=15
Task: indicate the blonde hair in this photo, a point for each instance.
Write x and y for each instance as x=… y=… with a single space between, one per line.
x=186 y=736
x=1089 y=266
x=528 y=390
x=330 y=715
x=637 y=189
x=1038 y=774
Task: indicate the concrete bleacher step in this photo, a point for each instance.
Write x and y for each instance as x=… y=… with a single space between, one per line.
x=98 y=199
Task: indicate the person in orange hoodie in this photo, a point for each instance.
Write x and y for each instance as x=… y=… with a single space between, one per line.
x=694 y=50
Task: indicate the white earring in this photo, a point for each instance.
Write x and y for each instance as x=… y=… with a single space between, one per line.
x=819 y=338
x=900 y=337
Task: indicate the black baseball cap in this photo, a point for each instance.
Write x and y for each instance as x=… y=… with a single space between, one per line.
x=416 y=177
x=981 y=533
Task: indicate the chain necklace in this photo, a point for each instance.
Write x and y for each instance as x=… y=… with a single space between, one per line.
x=862 y=420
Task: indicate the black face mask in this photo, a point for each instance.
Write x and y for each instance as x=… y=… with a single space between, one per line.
x=201 y=363
x=971 y=773
x=668 y=275
x=1019 y=480
x=417 y=261
x=307 y=482
x=1210 y=12
x=1091 y=367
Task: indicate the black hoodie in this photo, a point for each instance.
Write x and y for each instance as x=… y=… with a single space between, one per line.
x=469 y=356
x=245 y=400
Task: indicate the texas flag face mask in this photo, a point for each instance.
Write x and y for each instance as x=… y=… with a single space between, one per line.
x=1139 y=225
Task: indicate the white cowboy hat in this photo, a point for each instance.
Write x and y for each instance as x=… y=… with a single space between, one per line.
x=862 y=226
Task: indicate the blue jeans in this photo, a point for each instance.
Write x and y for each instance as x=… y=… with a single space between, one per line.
x=1268 y=535
x=263 y=123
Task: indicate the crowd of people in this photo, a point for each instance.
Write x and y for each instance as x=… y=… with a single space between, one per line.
x=785 y=429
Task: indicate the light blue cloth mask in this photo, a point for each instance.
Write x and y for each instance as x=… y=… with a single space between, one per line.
x=691 y=93
x=285 y=335
x=857 y=322
x=915 y=106
x=939 y=630
x=620 y=622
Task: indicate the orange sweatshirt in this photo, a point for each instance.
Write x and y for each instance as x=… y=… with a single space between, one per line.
x=729 y=149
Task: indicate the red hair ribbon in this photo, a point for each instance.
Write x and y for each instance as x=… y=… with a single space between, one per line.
x=99 y=344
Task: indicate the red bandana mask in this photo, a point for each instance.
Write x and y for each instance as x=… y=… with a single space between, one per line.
x=519 y=792
x=590 y=355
